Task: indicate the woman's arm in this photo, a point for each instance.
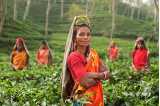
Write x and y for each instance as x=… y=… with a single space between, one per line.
x=102 y=75
x=11 y=59
x=87 y=81
x=108 y=51
x=148 y=62
x=118 y=53
x=104 y=70
x=27 y=61
x=50 y=58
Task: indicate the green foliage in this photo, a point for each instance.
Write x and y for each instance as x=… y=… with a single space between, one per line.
x=34 y=86
x=41 y=85
x=99 y=13
x=74 y=10
x=126 y=87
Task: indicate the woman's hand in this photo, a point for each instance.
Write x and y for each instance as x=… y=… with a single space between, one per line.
x=90 y=79
x=104 y=71
x=93 y=78
x=88 y=82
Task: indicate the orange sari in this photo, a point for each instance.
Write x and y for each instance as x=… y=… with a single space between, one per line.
x=95 y=93
x=19 y=59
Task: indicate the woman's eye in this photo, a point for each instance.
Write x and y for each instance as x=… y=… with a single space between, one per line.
x=88 y=34
x=82 y=34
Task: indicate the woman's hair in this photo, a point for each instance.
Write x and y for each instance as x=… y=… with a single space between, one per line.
x=20 y=40
x=74 y=45
x=112 y=44
x=44 y=44
x=141 y=40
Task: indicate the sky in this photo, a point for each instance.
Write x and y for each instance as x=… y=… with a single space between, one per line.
x=144 y=1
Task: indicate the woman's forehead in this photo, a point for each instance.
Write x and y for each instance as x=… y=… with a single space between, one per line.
x=83 y=29
x=139 y=42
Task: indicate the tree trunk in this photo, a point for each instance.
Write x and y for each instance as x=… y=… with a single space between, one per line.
x=15 y=10
x=132 y=10
x=92 y=7
x=139 y=9
x=47 y=16
x=126 y=10
x=1 y=15
x=113 y=18
x=110 y=7
x=132 y=13
x=62 y=8
x=156 y=2
x=156 y=16
x=26 y=9
x=87 y=3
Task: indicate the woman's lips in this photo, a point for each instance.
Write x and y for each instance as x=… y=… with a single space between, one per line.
x=85 y=42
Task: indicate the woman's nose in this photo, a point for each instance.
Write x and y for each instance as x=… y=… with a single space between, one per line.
x=85 y=36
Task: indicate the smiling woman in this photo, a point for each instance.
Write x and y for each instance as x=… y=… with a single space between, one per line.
x=85 y=68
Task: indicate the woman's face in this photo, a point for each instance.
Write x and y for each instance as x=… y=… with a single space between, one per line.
x=83 y=36
x=139 y=44
x=44 y=46
x=20 y=46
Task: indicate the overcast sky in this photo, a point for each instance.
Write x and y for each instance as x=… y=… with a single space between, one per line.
x=144 y=1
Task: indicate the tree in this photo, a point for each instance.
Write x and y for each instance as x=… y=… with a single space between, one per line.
x=2 y=15
x=74 y=10
x=113 y=17
x=156 y=2
x=47 y=16
x=87 y=7
x=15 y=10
x=132 y=2
x=26 y=9
x=139 y=3
x=62 y=8
x=126 y=10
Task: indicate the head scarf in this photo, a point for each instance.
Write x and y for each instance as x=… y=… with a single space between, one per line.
x=66 y=77
x=20 y=40
x=112 y=43
x=139 y=39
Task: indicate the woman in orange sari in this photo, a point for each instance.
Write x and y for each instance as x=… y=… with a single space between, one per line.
x=44 y=56
x=85 y=70
x=113 y=51
x=19 y=55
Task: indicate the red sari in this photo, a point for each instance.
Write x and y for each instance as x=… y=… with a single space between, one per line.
x=113 y=53
x=140 y=58
x=43 y=56
x=79 y=67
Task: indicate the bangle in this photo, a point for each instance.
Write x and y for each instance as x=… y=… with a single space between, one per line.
x=105 y=75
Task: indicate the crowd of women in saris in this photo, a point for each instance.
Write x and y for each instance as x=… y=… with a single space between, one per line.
x=82 y=70
x=20 y=55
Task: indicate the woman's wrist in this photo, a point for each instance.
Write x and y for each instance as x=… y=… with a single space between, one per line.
x=105 y=74
x=101 y=75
